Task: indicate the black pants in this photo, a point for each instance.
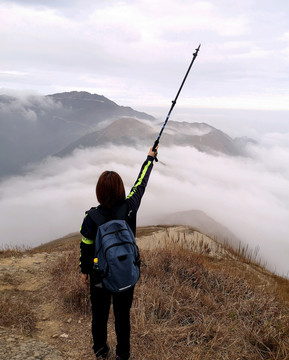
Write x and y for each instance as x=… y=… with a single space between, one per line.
x=100 y=303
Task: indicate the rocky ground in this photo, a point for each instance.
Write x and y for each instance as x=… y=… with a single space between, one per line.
x=48 y=331
x=56 y=334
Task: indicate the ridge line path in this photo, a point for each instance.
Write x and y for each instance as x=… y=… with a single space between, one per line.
x=27 y=280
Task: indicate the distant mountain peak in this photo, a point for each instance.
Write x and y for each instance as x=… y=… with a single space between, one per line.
x=129 y=126
x=193 y=129
x=80 y=95
x=41 y=126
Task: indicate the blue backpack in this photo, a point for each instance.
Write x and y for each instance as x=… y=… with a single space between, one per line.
x=118 y=255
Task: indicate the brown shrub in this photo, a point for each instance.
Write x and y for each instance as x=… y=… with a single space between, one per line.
x=66 y=282
x=16 y=311
x=186 y=308
x=191 y=307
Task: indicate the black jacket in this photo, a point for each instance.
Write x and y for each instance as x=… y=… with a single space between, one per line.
x=128 y=208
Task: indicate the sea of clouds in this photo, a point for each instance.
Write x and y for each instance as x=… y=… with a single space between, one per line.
x=248 y=195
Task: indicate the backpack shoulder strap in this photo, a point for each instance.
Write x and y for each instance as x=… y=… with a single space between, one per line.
x=96 y=216
x=121 y=212
x=117 y=213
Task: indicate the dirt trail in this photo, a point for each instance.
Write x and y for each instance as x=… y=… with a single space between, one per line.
x=184 y=236
x=59 y=335
x=56 y=332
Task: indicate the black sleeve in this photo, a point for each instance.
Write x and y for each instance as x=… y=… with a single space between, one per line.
x=137 y=191
x=88 y=231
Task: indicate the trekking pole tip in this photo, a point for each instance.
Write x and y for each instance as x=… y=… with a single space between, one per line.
x=197 y=50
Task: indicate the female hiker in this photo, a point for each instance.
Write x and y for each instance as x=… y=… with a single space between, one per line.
x=114 y=204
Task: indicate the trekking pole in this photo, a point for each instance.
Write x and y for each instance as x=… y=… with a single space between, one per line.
x=174 y=102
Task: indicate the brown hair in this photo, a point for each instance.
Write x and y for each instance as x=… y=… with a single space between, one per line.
x=110 y=189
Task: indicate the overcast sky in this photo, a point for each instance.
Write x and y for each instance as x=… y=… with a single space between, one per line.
x=137 y=52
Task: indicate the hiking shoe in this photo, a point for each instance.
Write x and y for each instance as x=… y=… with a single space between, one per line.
x=101 y=357
x=102 y=353
x=122 y=358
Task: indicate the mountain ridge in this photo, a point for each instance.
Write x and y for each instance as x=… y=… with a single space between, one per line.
x=202 y=222
x=193 y=295
x=133 y=132
x=34 y=127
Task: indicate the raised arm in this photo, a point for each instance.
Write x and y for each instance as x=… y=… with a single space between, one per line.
x=137 y=191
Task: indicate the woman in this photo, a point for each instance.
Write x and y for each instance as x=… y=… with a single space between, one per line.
x=110 y=194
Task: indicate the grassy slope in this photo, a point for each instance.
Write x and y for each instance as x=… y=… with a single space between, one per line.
x=187 y=305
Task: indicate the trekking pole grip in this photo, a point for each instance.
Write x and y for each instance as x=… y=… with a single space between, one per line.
x=155 y=149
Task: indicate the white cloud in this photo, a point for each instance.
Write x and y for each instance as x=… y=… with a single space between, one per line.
x=22 y=104
x=249 y=196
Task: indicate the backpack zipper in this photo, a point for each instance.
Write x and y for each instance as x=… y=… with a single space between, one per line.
x=115 y=232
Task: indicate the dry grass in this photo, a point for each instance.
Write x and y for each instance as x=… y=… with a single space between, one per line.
x=185 y=308
x=9 y=252
x=190 y=306
x=16 y=311
x=61 y=244
x=282 y=288
x=66 y=282
x=15 y=306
